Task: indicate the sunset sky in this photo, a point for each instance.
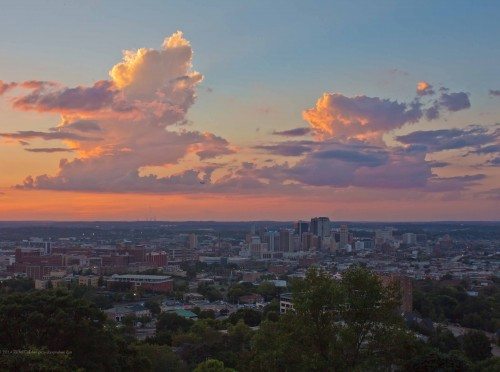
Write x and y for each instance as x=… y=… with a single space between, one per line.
x=235 y=110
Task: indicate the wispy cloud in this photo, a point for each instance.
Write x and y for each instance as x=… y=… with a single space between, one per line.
x=49 y=150
x=295 y=132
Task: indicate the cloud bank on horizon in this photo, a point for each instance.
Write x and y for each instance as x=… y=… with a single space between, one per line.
x=124 y=129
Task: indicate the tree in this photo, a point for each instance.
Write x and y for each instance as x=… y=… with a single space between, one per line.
x=476 y=345
x=487 y=365
x=201 y=342
x=238 y=290
x=17 y=285
x=100 y=281
x=173 y=322
x=206 y=314
x=35 y=360
x=57 y=321
x=271 y=311
x=209 y=292
x=153 y=307
x=267 y=290
x=351 y=324
x=433 y=360
x=444 y=341
x=251 y=317
x=159 y=358
x=212 y=365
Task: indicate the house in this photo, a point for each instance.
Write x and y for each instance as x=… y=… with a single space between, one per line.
x=185 y=313
x=251 y=298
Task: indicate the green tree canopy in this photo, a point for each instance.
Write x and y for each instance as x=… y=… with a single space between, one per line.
x=476 y=345
x=56 y=321
x=348 y=324
x=212 y=365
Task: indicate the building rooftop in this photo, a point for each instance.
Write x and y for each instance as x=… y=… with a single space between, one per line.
x=185 y=313
x=140 y=277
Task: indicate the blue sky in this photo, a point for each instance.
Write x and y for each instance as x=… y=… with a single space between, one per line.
x=260 y=50
x=320 y=42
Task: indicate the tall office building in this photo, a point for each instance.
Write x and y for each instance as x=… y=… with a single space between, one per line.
x=301 y=227
x=192 y=241
x=286 y=241
x=320 y=226
x=273 y=241
x=359 y=245
x=409 y=238
x=344 y=236
x=384 y=235
x=308 y=241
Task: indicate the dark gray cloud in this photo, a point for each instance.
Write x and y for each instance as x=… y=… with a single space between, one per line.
x=495 y=92
x=455 y=101
x=432 y=113
x=484 y=150
x=448 y=139
x=362 y=156
x=288 y=148
x=28 y=134
x=49 y=150
x=82 y=126
x=495 y=162
x=360 y=164
x=296 y=132
x=93 y=98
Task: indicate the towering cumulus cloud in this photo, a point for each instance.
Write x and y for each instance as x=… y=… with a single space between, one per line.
x=350 y=149
x=336 y=115
x=126 y=134
x=118 y=127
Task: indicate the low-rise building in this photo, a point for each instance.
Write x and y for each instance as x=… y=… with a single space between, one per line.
x=286 y=303
x=88 y=280
x=117 y=313
x=157 y=283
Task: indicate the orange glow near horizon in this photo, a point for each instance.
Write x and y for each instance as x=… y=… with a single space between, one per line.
x=74 y=206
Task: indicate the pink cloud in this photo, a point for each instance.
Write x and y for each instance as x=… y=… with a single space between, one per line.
x=121 y=126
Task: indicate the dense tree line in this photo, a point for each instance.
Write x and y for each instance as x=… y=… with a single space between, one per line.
x=352 y=324
x=441 y=302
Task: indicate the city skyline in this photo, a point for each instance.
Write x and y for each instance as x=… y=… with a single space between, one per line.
x=295 y=112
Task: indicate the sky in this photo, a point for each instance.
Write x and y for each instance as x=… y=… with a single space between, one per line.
x=227 y=110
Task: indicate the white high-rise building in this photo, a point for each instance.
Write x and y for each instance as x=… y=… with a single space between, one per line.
x=359 y=246
x=272 y=240
x=192 y=241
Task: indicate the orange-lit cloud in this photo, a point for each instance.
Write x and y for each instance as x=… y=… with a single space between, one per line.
x=336 y=115
x=123 y=125
x=424 y=88
x=128 y=135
